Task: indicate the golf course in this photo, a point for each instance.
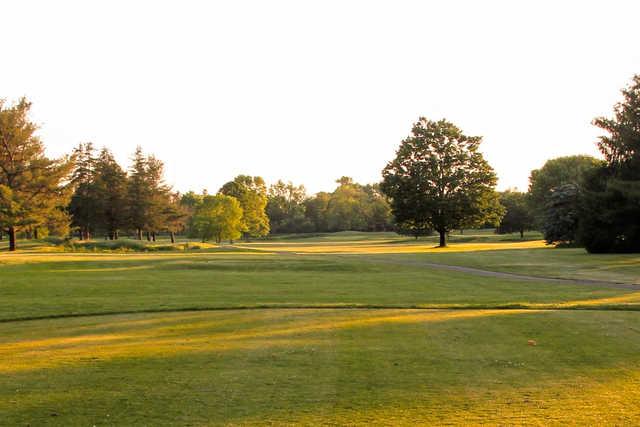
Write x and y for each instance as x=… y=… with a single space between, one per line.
x=347 y=328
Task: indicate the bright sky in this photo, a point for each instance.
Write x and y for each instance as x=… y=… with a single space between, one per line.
x=310 y=91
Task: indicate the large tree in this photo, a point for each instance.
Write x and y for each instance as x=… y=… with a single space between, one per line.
x=251 y=192
x=439 y=178
x=32 y=186
x=610 y=216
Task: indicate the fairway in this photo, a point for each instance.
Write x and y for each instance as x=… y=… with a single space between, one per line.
x=344 y=328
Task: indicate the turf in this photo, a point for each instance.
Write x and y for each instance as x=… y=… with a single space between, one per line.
x=318 y=330
x=70 y=284
x=323 y=367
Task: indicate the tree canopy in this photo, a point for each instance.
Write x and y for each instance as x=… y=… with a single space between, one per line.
x=610 y=216
x=33 y=188
x=218 y=217
x=518 y=216
x=439 y=178
x=251 y=192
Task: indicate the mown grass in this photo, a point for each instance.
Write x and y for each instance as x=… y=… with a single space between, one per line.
x=311 y=367
x=70 y=284
x=163 y=362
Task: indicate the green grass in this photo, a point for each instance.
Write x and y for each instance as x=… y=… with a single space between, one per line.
x=572 y=263
x=323 y=366
x=267 y=333
x=65 y=284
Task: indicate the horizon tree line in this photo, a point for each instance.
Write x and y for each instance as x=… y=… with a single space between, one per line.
x=438 y=182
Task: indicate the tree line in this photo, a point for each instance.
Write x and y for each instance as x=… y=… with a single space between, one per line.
x=584 y=201
x=438 y=182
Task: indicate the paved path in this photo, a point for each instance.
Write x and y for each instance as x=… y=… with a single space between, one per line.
x=514 y=276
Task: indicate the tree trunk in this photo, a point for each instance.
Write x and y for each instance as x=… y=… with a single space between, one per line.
x=521 y=234
x=153 y=236
x=115 y=235
x=173 y=237
x=443 y=239
x=1 y=235
x=148 y=236
x=139 y=233
x=12 y=239
x=35 y=233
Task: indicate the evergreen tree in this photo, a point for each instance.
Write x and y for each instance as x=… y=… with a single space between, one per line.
x=83 y=205
x=110 y=194
x=32 y=186
x=611 y=203
x=138 y=194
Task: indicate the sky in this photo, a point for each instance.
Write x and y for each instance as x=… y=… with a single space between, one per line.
x=309 y=91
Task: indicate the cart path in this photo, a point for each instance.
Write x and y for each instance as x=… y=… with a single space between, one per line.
x=514 y=276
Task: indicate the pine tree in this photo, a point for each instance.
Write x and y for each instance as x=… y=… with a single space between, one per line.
x=611 y=202
x=83 y=201
x=138 y=194
x=148 y=196
x=110 y=191
x=32 y=186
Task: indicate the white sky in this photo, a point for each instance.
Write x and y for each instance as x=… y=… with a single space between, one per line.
x=310 y=91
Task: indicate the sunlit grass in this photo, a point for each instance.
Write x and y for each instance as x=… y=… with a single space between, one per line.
x=316 y=367
x=367 y=247
x=188 y=333
x=469 y=362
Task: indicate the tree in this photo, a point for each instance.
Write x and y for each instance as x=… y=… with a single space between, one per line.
x=160 y=201
x=175 y=216
x=414 y=229
x=560 y=221
x=147 y=196
x=32 y=186
x=439 y=178
x=378 y=210
x=218 y=217
x=109 y=197
x=554 y=173
x=189 y=202
x=251 y=192
x=346 y=208
x=83 y=205
x=611 y=203
x=285 y=208
x=315 y=210
x=518 y=216
x=621 y=147
x=138 y=194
